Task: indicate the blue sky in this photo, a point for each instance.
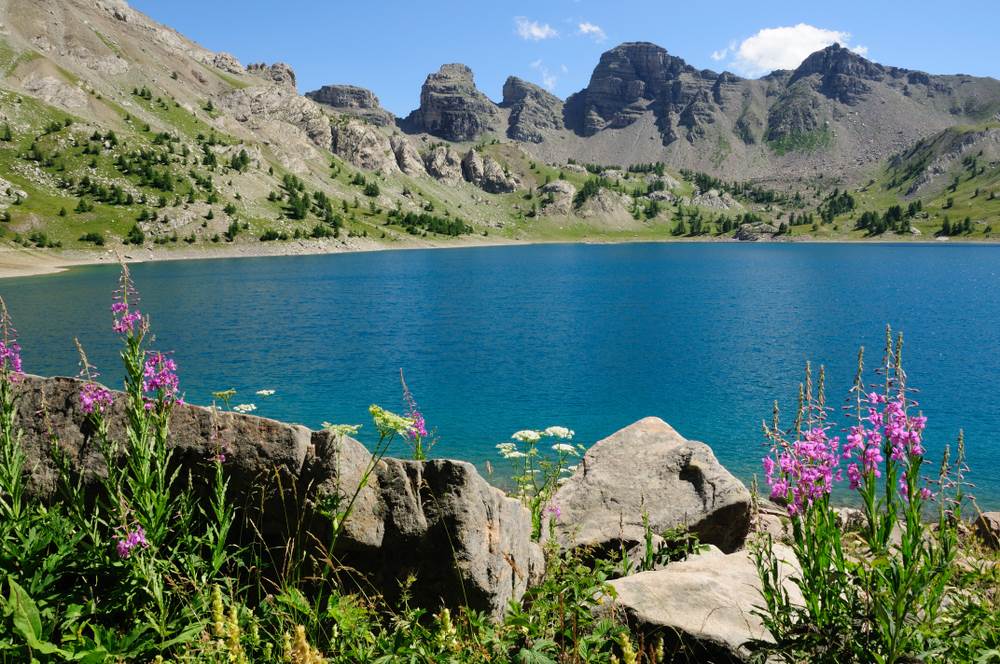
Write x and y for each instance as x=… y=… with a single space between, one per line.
x=390 y=47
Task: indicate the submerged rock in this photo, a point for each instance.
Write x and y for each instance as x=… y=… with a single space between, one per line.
x=466 y=542
x=649 y=467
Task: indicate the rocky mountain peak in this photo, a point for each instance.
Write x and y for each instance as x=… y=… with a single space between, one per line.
x=532 y=110
x=835 y=59
x=633 y=78
x=452 y=107
x=842 y=73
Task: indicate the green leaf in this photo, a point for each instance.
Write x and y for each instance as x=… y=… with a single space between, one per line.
x=295 y=600
x=27 y=621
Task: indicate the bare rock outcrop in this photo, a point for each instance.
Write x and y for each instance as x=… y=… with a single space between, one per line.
x=557 y=197
x=255 y=106
x=353 y=100
x=228 y=63
x=363 y=145
x=443 y=164
x=487 y=173
x=279 y=73
x=407 y=157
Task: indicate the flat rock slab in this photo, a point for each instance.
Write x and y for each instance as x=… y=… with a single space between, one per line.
x=704 y=605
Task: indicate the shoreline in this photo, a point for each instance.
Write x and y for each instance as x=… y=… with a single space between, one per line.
x=18 y=263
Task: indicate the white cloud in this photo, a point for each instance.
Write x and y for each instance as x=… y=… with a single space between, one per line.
x=533 y=30
x=722 y=53
x=547 y=77
x=591 y=30
x=781 y=48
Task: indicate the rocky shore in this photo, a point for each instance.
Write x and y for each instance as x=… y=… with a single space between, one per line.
x=462 y=540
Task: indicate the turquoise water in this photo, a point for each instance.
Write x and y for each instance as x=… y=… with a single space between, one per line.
x=493 y=340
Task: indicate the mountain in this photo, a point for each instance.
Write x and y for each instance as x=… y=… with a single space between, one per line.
x=116 y=130
x=836 y=111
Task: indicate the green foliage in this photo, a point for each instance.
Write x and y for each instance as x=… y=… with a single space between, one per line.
x=888 y=593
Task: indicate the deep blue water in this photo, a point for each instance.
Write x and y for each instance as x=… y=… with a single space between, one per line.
x=493 y=340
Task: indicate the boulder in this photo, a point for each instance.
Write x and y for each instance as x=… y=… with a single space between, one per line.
x=649 y=467
x=464 y=540
x=443 y=164
x=363 y=145
x=988 y=529
x=703 y=605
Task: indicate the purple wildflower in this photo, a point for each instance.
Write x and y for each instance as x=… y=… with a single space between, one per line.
x=95 y=399
x=418 y=429
x=131 y=540
x=126 y=318
x=554 y=511
x=160 y=375
x=10 y=350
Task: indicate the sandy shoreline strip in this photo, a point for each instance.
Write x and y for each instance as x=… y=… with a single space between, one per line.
x=34 y=262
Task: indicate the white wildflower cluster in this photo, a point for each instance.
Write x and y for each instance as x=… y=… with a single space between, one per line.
x=388 y=422
x=559 y=432
x=565 y=448
x=510 y=451
x=265 y=393
x=245 y=408
x=342 y=429
x=527 y=436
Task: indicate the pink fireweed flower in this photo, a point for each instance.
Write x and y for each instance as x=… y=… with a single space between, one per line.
x=10 y=357
x=95 y=399
x=807 y=470
x=418 y=428
x=160 y=375
x=125 y=317
x=10 y=350
x=553 y=511
x=129 y=540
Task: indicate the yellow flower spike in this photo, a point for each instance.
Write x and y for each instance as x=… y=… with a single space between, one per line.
x=218 y=613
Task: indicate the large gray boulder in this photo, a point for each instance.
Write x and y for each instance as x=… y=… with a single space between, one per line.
x=704 y=605
x=464 y=540
x=487 y=173
x=649 y=467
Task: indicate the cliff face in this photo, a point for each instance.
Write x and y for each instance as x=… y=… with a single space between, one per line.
x=353 y=100
x=533 y=111
x=452 y=107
